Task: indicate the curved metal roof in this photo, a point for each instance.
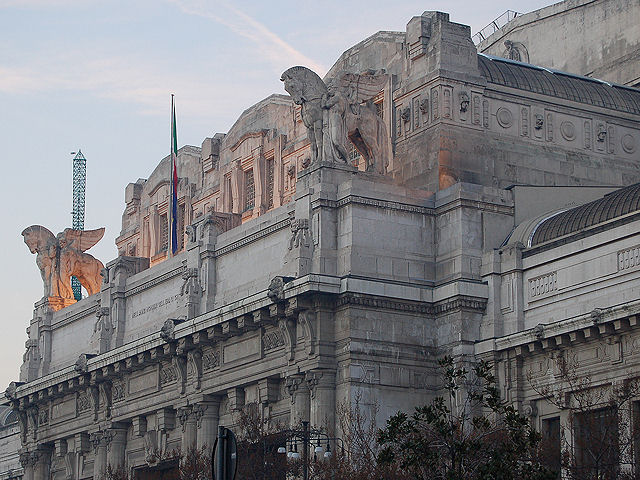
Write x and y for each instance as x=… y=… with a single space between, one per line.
x=559 y=84
x=613 y=205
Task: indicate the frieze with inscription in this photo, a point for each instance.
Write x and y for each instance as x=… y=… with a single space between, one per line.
x=154 y=306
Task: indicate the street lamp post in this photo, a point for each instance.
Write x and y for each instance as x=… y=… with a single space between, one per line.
x=306 y=436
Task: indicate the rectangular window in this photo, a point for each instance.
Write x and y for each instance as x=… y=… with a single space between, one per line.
x=380 y=109
x=270 y=183
x=596 y=443
x=550 y=448
x=354 y=155
x=249 y=190
x=164 y=234
x=229 y=192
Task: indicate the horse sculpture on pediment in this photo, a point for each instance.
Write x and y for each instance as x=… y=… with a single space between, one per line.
x=63 y=256
x=342 y=111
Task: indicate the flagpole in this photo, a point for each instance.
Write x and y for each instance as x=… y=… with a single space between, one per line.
x=173 y=193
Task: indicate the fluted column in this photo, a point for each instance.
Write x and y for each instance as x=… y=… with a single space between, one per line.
x=41 y=459
x=116 y=446
x=299 y=393
x=187 y=418
x=25 y=461
x=207 y=417
x=322 y=387
x=99 y=441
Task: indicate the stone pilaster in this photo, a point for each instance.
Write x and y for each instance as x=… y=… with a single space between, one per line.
x=41 y=461
x=322 y=388
x=188 y=420
x=209 y=234
x=25 y=458
x=100 y=440
x=299 y=393
x=207 y=416
x=116 y=446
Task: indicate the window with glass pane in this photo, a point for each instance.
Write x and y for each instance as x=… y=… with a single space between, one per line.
x=596 y=442
x=250 y=190
x=164 y=233
x=270 y=183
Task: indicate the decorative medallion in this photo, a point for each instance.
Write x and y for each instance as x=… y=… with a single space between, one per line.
x=504 y=117
x=568 y=131
x=629 y=143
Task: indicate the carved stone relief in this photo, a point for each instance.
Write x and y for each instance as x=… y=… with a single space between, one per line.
x=476 y=109
x=524 y=121
x=568 y=131
x=504 y=117
x=446 y=102
x=628 y=143
x=485 y=113
x=210 y=360
x=587 y=134
x=435 y=103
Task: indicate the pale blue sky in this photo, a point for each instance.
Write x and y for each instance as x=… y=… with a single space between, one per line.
x=98 y=75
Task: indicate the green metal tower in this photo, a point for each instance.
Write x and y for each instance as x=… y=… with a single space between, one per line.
x=79 y=187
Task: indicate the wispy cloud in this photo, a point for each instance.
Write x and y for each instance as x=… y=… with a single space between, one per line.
x=278 y=51
x=124 y=78
x=39 y=3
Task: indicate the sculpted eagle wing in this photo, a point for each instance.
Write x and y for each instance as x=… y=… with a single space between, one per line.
x=82 y=239
x=366 y=85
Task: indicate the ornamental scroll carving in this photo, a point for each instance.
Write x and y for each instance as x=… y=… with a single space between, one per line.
x=300 y=235
x=341 y=111
x=63 y=256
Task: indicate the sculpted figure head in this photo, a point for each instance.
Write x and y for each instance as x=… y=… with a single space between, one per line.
x=36 y=238
x=303 y=85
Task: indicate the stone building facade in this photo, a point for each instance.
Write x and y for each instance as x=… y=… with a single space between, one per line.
x=596 y=38
x=303 y=284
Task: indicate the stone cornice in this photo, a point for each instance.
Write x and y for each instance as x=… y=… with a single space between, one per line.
x=563 y=333
x=226 y=322
x=386 y=204
x=384 y=303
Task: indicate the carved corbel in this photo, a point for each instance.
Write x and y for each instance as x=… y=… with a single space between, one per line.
x=24 y=459
x=180 y=364
x=95 y=439
x=32 y=415
x=292 y=385
x=105 y=393
x=306 y=319
x=24 y=425
x=287 y=327
x=69 y=465
x=195 y=357
x=94 y=392
x=313 y=378
x=184 y=413
x=198 y=411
